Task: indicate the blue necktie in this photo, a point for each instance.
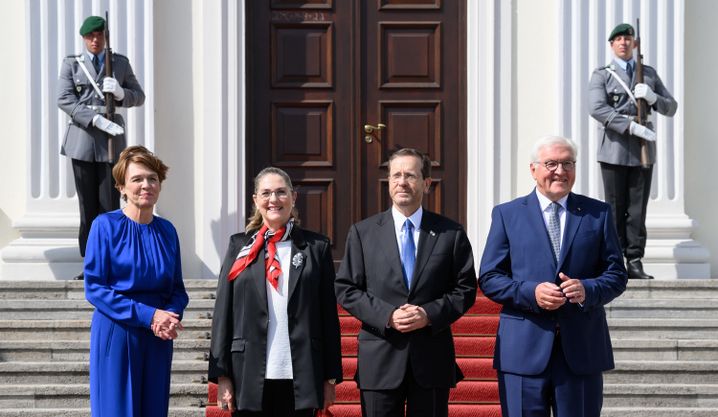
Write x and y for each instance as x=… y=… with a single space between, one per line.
x=96 y=63
x=629 y=71
x=554 y=229
x=407 y=252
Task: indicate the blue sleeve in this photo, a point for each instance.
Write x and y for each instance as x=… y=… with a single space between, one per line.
x=495 y=274
x=179 y=298
x=98 y=291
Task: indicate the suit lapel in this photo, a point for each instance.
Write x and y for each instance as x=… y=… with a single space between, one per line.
x=257 y=275
x=535 y=217
x=427 y=240
x=574 y=215
x=389 y=247
x=298 y=259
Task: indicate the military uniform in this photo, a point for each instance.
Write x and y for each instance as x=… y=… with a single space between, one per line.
x=84 y=143
x=627 y=184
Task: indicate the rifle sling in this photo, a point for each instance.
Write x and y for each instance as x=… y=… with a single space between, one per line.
x=89 y=77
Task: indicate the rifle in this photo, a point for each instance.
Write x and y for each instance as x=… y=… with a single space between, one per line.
x=109 y=97
x=641 y=105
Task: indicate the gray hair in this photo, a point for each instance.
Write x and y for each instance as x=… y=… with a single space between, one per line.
x=547 y=141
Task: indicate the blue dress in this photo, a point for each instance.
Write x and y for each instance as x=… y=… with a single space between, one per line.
x=130 y=270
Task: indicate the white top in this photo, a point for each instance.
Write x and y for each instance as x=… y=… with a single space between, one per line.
x=399 y=220
x=544 y=202
x=279 y=353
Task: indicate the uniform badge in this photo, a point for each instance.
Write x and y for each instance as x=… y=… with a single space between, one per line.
x=78 y=88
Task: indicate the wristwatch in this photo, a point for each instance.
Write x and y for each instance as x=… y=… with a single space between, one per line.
x=332 y=381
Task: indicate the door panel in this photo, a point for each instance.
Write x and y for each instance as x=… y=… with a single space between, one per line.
x=318 y=71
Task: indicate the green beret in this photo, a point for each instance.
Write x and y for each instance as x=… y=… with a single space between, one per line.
x=622 y=29
x=92 y=24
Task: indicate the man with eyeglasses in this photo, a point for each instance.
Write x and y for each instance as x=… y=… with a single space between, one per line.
x=407 y=274
x=612 y=95
x=553 y=260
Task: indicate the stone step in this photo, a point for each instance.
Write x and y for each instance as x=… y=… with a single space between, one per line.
x=662 y=308
x=79 y=350
x=56 y=373
x=78 y=396
x=85 y=412
x=80 y=329
x=80 y=309
x=654 y=412
x=660 y=395
x=662 y=372
x=675 y=329
x=75 y=290
x=678 y=289
x=665 y=350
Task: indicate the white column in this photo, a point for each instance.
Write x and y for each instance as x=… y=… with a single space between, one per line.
x=490 y=149
x=47 y=248
x=670 y=251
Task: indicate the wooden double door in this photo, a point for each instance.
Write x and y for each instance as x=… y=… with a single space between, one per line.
x=323 y=74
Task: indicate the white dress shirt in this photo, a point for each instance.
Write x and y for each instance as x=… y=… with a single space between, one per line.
x=279 y=353
x=399 y=220
x=544 y=202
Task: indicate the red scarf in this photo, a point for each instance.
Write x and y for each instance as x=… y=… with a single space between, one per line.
x=272 y=267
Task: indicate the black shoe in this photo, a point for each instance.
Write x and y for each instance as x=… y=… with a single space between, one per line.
x=80 y=277
x=635 y=270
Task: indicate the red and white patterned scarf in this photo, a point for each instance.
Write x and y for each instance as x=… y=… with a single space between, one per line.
x=272 y=267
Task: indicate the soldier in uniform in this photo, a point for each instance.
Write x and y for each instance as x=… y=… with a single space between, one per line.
x=80 y=94
x=612 y=102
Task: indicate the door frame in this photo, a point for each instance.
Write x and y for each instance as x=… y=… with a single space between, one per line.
x=490 y=177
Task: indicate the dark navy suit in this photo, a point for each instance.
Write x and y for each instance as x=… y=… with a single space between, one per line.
x=518 y=257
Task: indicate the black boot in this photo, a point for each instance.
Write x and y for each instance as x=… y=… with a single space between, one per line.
x=635 y=270
x=79 y=277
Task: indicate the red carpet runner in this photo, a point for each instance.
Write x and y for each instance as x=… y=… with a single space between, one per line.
x=476 y=396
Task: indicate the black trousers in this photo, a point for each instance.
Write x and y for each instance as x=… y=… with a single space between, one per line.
x=420 y=401
x=96 y=193
x=277 y=401
x=627 y=190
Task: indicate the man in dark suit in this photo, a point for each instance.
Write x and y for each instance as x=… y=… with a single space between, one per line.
x=407 y=274
x=553 y=260
x=80 y=94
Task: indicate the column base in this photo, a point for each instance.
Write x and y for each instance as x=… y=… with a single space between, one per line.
x=670 y=251
x=47 y=249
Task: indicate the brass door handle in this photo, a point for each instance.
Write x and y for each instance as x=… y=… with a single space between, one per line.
x=369 y=129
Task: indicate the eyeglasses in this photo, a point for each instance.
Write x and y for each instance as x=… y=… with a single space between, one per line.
x=552 y=165
x=281 y=194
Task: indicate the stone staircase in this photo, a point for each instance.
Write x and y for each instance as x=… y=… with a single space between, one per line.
x=665 y=336
x=44 y=350
x=665 y=341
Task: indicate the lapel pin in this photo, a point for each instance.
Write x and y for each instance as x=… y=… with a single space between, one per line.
x=297 y=260
x=432 y=233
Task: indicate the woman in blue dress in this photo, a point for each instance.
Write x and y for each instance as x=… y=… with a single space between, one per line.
x=133 y=277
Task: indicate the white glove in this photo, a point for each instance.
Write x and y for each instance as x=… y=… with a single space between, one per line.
x=642 y=131
x=644 y=91
x=110 y=85
x=107 y=126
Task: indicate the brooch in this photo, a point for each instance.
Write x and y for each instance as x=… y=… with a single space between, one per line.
x=297 y=260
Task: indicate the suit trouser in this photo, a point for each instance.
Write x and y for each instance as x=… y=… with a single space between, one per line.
x=627 y=189
x=420 y=401
x=277 y=401
x=96 y=193
x=556 y=388
x=129 y=370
